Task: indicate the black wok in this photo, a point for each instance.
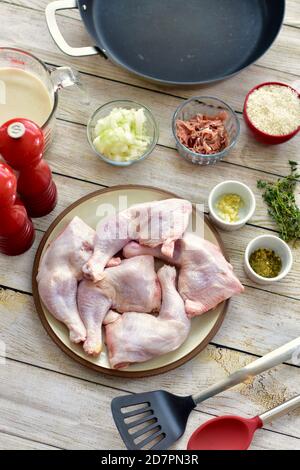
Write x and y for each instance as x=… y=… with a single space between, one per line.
x=175 y=41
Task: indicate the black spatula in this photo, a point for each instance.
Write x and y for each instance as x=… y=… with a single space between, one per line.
x=155 y=420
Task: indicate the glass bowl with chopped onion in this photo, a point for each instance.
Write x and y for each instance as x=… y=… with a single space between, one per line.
x=122 y=132
x=205 y=129
x=272 y=112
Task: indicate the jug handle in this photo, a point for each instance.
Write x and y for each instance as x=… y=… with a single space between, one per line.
x=64 y=77
x=56 y=34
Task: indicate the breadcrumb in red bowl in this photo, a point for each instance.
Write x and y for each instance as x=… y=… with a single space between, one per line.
x=272 y=112
x=205 y=129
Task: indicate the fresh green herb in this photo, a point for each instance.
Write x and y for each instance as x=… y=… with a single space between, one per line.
x=280 y=198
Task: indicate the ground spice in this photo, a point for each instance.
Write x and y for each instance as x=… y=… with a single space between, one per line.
x=265 y=263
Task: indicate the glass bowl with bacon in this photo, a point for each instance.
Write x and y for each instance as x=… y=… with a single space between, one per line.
x=205 y=129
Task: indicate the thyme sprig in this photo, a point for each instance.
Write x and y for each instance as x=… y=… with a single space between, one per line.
x=281 y=202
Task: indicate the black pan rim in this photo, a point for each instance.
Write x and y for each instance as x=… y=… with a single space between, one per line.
x=152 y=79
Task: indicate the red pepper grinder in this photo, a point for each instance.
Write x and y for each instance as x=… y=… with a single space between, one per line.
x=22 y=146
x=16 y=229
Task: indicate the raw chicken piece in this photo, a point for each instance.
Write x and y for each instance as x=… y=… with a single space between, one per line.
x=137 y=337
x=162 y=223
x=152 y=224
x=112 y=236
x=133 y=249
x=92 y=306
x=60 y=271
x=205 y=278
x=133 y=285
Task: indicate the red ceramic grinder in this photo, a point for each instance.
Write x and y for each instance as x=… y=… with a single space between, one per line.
x=22 y=146
x=16 y=229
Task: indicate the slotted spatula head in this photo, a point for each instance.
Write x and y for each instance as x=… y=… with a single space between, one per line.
x=151 y=420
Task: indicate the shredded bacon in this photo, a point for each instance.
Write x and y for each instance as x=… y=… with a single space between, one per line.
x=204 y=134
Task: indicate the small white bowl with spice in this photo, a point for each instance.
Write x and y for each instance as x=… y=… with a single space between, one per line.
x=268 y=259
x=231 y=205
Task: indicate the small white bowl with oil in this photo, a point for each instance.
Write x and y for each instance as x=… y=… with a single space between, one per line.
x=246 y=208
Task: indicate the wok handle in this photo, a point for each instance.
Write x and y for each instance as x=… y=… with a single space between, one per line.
x=289 y=351
x=51 y=10
x=280 y=410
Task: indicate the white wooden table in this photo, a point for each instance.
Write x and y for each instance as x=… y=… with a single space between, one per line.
x=47 y=401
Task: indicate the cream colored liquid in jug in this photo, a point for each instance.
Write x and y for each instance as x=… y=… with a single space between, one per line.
x=23 y=95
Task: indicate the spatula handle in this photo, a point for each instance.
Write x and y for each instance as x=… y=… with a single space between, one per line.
x=280 y=410
x=272 y=359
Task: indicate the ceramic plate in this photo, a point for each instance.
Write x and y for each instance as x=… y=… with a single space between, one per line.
x=203 y=327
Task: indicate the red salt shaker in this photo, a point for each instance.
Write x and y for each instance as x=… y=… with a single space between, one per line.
x=22 y=146
x=16 y=229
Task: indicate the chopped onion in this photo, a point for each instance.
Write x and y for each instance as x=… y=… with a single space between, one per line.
x=122 y=136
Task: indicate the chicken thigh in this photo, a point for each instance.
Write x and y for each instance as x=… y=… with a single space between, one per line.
x=131 y=286
x=205 y=277
x=138 y=337
x=152 y=224
x=60 y=271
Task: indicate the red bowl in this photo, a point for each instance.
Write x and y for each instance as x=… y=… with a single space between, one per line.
x=263 y=136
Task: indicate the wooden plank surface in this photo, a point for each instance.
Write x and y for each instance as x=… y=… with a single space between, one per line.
x=11 y=442
x=75 y=419
x=47 y=400
x=20 y=331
